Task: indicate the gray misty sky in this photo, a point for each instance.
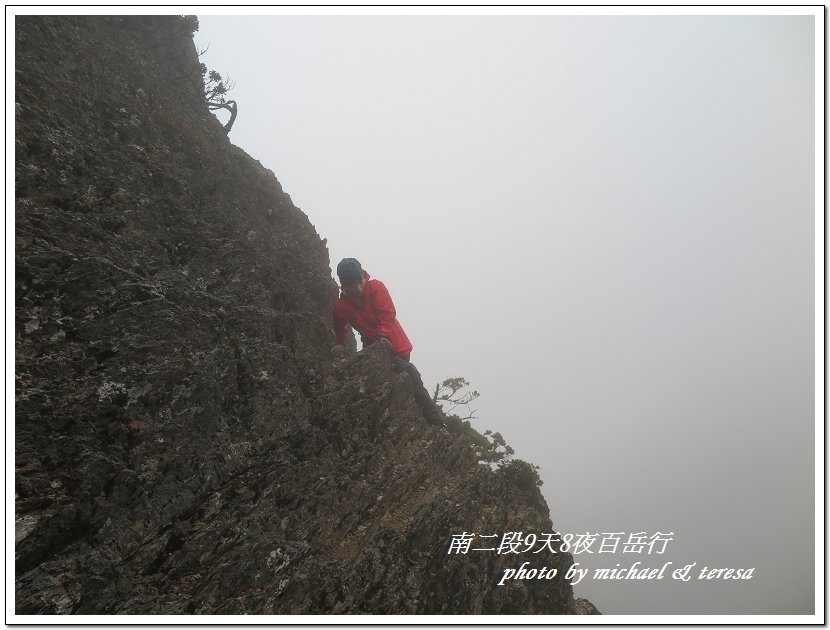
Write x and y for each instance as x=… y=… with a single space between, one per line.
x=607 y=225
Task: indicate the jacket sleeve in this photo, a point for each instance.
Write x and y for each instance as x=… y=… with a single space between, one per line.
x=385 y=310
x=340 y=326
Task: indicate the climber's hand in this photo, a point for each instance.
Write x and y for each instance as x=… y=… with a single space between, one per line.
x=385 y=343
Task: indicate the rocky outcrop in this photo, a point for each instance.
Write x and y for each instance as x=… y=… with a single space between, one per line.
x=187 y=437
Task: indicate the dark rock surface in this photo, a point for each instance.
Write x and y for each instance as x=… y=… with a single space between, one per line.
x=187 y=437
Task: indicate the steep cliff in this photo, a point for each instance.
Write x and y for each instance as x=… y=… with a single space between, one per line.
x=187 y=437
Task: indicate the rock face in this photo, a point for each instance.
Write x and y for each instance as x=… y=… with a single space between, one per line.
x=188 y=439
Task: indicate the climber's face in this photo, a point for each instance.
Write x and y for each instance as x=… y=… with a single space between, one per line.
x=355 y=290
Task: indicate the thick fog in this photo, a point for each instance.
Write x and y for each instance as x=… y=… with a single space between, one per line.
x=605 y=224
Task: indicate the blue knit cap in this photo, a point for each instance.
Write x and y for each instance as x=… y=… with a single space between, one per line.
x=349 y=271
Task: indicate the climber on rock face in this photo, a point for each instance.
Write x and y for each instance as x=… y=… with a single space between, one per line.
x=365 y=304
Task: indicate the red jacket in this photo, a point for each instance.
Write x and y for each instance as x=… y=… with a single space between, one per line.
x=373 y=318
